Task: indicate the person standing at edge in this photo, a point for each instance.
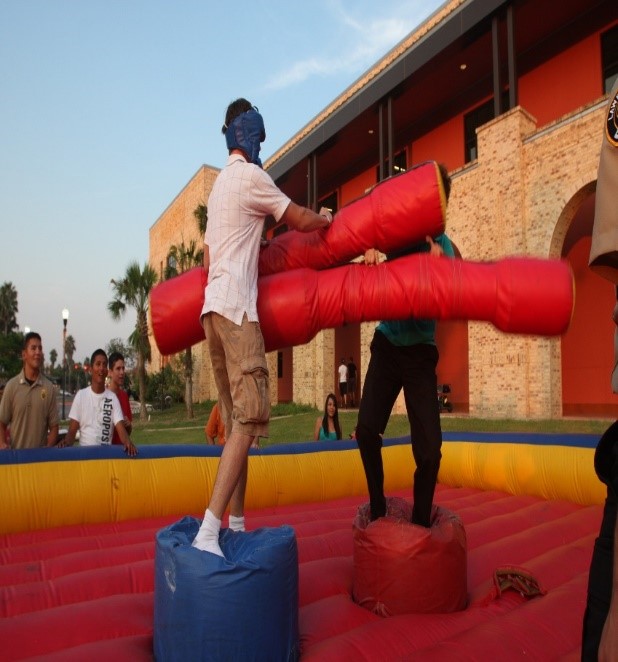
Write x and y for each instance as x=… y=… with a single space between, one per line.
x=215 y=428
x=241 y=198
x=116 y=385
x=351 y=388
x=600 y=623
x=404 y=355
x=29 y=402
x=342 y=371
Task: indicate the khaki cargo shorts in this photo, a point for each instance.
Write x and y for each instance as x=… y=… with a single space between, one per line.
x=241 y=374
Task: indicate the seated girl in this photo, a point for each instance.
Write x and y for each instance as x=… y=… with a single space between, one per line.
x=327 y=426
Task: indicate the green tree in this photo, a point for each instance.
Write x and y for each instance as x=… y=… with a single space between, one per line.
x=69 y=350
x=10 y=354
x=8 y=308
x=180 y=258
x=163 y=384
x=53 y=357
x=118 y=345
x=133 y=290
x=201 y=216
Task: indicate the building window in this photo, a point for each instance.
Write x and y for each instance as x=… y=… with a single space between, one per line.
x=400 y=164
x=609 y=58
x=280 y=365
x=472 y=121
x=330 y=202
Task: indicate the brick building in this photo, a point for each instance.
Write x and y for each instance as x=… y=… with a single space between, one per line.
x=510 y=95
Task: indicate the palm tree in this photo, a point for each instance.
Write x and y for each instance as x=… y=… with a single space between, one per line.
x=133 y=290
x=201 y=217
x=53 y=357
x=69 y=350
x=181 y=258
x=8 y=308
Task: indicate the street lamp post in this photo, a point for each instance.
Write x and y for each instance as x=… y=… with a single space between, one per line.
x=65 y=319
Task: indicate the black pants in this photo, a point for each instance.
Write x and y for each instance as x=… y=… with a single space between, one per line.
x=601 y=567
x=390 y=369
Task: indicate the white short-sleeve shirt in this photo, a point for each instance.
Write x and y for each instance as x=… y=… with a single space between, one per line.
x=97 y=415
x=241 y=198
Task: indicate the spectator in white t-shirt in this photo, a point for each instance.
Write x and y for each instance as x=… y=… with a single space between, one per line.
x=96 y=412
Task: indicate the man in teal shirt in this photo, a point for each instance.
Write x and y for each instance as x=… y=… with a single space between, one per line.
x=404 y=355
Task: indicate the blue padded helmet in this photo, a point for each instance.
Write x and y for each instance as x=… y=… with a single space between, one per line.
x=246 y=132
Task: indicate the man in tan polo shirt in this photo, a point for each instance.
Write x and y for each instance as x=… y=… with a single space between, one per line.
x=29 y=402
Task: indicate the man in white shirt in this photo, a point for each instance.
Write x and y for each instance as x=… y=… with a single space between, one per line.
x=343 y=382
x=96 y=412
x=241 y=198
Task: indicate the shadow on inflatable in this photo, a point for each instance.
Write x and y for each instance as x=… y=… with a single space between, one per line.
x=79 y=528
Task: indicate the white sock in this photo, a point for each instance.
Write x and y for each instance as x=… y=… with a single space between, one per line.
x=207 y=538
x=237 y=523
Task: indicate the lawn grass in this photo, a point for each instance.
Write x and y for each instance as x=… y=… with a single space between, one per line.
x=295 y=423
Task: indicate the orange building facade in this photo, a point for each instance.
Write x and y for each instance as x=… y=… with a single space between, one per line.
x=510 y=96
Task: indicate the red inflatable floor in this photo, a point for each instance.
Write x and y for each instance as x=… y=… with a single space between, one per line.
x=86 y=592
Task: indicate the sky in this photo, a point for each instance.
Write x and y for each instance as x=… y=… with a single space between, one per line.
x=109 y=107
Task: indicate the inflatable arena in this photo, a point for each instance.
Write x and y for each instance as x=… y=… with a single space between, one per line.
x=96 y=555
x=81 y=529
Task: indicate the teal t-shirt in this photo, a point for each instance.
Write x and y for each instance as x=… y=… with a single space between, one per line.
x=331 y=436
x=405 y=333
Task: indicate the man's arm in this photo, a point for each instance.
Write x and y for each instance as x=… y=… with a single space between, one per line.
x=125 y=405
x=303 y=219
x=70 y=438
x=316 y=429
x=129 y=448
x=52 y=436
x=3 y=443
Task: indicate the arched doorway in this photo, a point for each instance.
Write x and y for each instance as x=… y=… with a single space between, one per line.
x=587 y=348
x=347 y=346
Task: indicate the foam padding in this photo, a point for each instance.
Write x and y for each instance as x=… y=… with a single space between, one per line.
x=48 y=487
x=403 y=568
x=241 y=607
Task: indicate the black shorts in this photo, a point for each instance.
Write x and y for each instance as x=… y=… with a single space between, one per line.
x=343 y=388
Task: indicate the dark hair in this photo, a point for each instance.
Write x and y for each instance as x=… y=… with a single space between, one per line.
x=335 y=417
x=235 y=109
x=446 y=185
x=97 y=352
x=113 y=357
x=446 y=180
x=30 y=336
